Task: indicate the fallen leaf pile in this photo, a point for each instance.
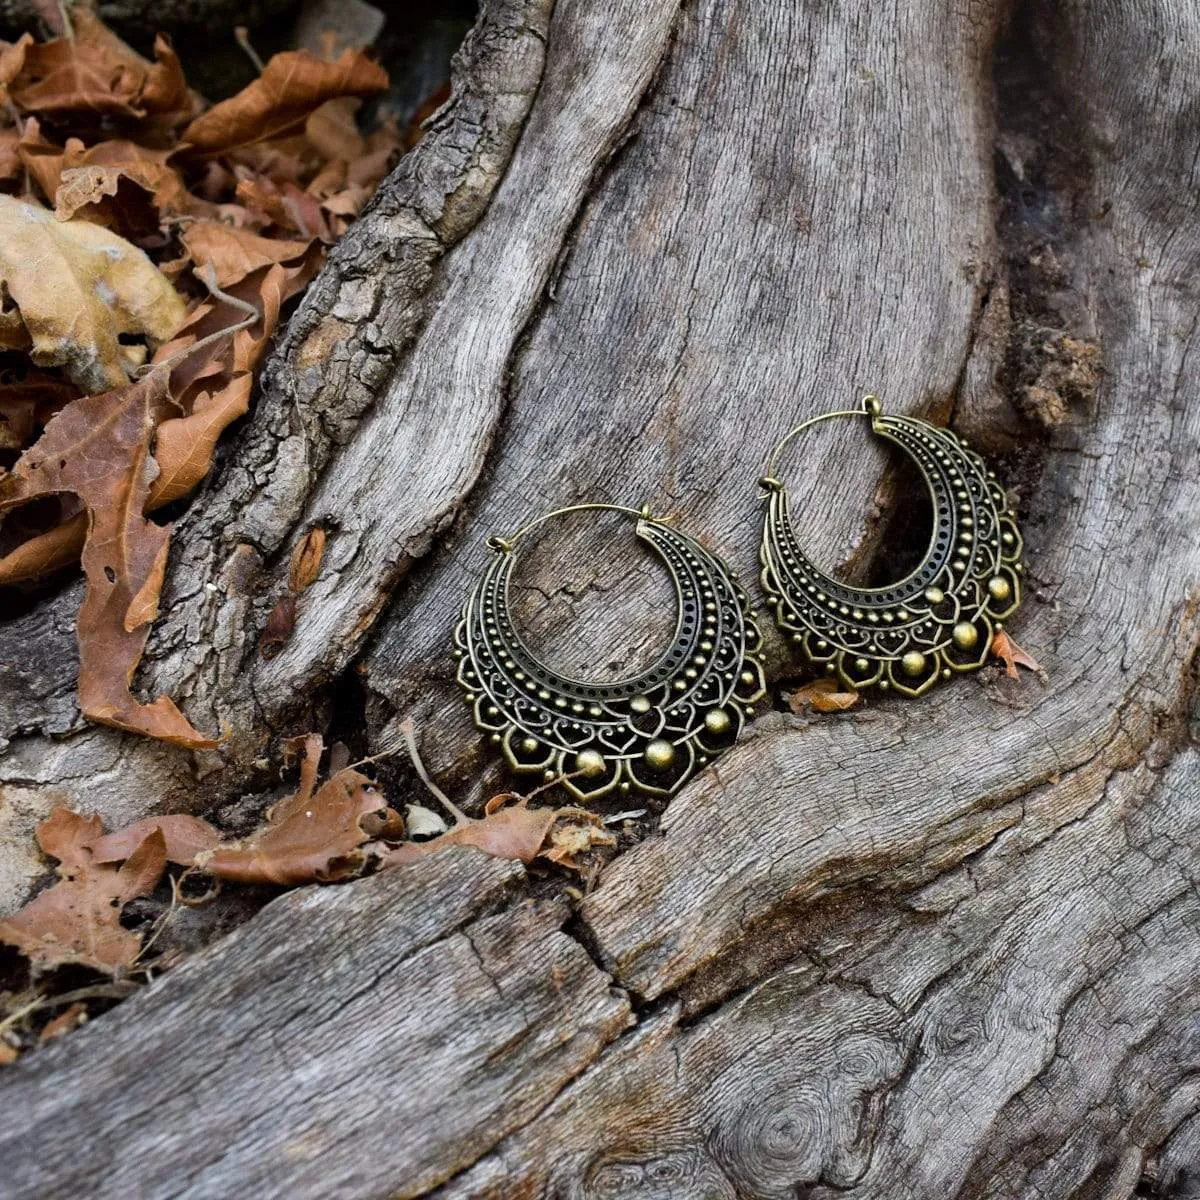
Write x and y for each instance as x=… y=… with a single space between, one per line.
x=316 y=835
x=148 y=245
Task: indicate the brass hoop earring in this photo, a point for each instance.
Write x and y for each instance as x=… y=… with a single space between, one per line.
x=941 y=617
x=650 y=732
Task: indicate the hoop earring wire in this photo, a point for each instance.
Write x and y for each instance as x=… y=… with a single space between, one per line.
x=649 y=732
x=939 y=619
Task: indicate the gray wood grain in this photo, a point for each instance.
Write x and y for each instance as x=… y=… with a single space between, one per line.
x=306 y=1054
x=945 y=948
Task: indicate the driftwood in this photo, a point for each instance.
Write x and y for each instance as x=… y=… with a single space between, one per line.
x=932 y=949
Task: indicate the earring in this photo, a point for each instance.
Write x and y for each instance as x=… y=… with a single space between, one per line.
x=940 y=618
x=650 y=732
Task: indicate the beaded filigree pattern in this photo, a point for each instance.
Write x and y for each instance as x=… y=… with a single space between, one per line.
x=650 y=732
x=939 y=619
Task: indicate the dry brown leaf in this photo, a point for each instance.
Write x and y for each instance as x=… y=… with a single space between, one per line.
x=67 y=1020
x=26 y=405
x=12 y=61
x=184 y=446
x=514 y=831
x=46 y=552
x=42 y=158
x=166 y=94
x=309 y=837
x=1004 y=648
x=292 y=86
x=306 y=560
x=77 y=921
x=8 y=1053
x=92 y=75
x=11 y=167
x=823 y=695
x=183 y=837
x=90 y=72
x=285 y=205
x=236 y=253
x=78 y=288
x=97 y=448
x=575 y=831
x=213 y=391
x=332 y=129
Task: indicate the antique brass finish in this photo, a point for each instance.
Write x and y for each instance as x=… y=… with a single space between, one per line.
x=650 y=732
x=940 y=618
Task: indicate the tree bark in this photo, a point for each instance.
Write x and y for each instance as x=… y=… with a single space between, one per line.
x=939 y=948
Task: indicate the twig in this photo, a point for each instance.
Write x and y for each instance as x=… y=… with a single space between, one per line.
x=242 y=36
x=161 y=923
x=117 y=990
x=209 y=278
x=460 y=817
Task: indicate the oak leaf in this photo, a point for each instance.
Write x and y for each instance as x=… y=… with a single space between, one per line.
x=77 y=921
x=278 y=102
x=316 y=835
x=79 y=288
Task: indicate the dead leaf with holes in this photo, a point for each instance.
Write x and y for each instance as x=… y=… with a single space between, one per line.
x=823 y=696
x=210 y=390
x=78 y=288
x=78 y=920
x=316 y=835
x=1005 y=649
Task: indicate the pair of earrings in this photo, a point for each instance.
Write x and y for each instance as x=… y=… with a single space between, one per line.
x=652 y=731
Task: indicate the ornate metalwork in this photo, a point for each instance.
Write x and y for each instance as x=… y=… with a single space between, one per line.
x=940 y=618
x=650 y=732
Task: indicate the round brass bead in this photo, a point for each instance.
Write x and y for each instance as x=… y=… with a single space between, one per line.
x=862 y=666
x=999 y=588
x=934 y=595
x=913 y=663
x=529 y=745
x=659 y=754
x=717 y=721
x=639 y=704
x=589 y=763
x=965 y=635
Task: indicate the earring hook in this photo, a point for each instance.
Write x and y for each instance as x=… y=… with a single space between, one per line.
x=505 y=545
x=871 y=406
